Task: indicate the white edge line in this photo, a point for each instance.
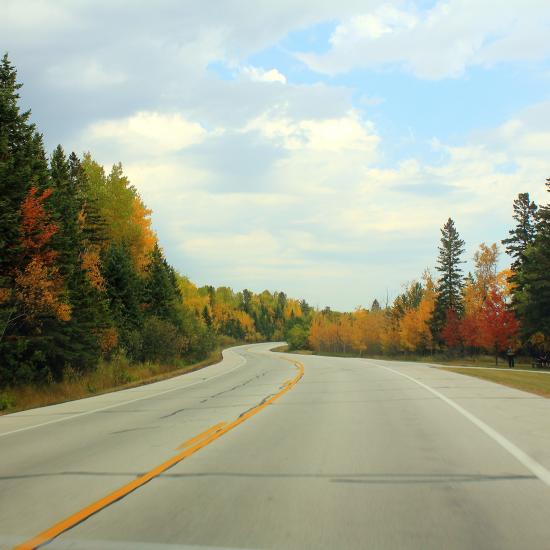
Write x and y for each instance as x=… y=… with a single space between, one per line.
x=86 y=413
x=535 y=467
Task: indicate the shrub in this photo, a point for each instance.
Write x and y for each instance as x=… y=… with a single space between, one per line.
x=160 y=340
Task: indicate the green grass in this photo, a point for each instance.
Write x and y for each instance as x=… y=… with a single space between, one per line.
x=439 y=359
x=534 y=382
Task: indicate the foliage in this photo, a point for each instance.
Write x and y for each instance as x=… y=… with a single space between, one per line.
x=83 y=278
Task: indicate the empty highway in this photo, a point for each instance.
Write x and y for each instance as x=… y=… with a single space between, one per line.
x=270 y=450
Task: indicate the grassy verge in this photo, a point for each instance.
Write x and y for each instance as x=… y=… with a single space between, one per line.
x=476 y=361
x=110 y=376
x=538 y=383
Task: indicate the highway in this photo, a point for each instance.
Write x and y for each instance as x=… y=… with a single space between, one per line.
x=270 y=450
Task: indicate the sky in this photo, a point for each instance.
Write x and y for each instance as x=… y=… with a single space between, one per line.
x=314 y=147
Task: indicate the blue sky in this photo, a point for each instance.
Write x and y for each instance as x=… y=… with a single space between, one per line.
x=313 y=147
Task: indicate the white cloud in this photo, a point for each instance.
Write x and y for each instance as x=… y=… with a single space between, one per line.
x=333 y=218
x=441 y=42
x=257 y=181
x=148 y=132
x=257 y=74
x=346 y=133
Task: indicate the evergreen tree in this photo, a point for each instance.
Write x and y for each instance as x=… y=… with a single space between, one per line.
x=161 y=289
x=246 y=304
x=523 y=235
x=22 y=165
x=450 y=282
x=375 y=306
x=124 y=291
x=532 y=295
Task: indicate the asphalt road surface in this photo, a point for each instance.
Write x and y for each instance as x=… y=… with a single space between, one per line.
x=355 y=453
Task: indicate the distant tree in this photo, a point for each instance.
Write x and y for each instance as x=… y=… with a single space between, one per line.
x=305 y=308
x=246 y=304
x=206 y=316
x=375 y=305
x=450 y=282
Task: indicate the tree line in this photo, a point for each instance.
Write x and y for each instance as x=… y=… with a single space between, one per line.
x=82 y=275
x=485 y=311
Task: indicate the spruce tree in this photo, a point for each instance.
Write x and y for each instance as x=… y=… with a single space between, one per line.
x=532 y=296
x=124 y=291
x=523 y=234
x=450 y=282
x=161 y=289
x=22 y=164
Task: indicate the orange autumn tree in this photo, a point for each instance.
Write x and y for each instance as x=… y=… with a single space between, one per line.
x=39 y=288
x=414 y=329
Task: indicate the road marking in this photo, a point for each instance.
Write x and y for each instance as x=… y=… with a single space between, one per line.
x=68 y=523
x=86 y=413
x=535 y=467
x=200 y=436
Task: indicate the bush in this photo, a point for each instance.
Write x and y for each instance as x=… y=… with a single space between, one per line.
x=160 y=341
x=297 y=337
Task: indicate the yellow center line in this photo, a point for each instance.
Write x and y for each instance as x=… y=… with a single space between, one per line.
x=68 y=523
x=200 y=436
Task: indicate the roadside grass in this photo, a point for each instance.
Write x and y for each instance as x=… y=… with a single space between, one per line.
x=533 y=382
x=109 y=376
x=522 y=363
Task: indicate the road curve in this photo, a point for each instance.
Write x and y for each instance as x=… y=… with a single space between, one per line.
x=355 y=453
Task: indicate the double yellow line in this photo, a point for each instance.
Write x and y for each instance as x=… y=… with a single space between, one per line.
x=191 y=446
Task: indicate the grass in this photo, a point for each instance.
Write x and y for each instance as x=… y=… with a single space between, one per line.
x=474 y=361
x=537 y=383
x=110 y=376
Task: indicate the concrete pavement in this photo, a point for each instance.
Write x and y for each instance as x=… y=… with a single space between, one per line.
x=358 y=454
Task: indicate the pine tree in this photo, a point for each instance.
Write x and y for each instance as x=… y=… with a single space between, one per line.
x=78 y=241
x=450 y=283
x=161 y=289
x=22 y=165
x=523 y=235
x=124 y=291
x=532 y=295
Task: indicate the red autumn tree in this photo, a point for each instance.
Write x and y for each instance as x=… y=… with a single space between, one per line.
x=498 y=326
x=469 y=330
x=39 y=288
x=451 y=330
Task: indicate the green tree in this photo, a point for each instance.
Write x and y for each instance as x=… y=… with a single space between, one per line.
x=161 y=287
x=124 y=292
x=523 y=234
x=22 y=165
x=450 y=283
x=532 y=295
